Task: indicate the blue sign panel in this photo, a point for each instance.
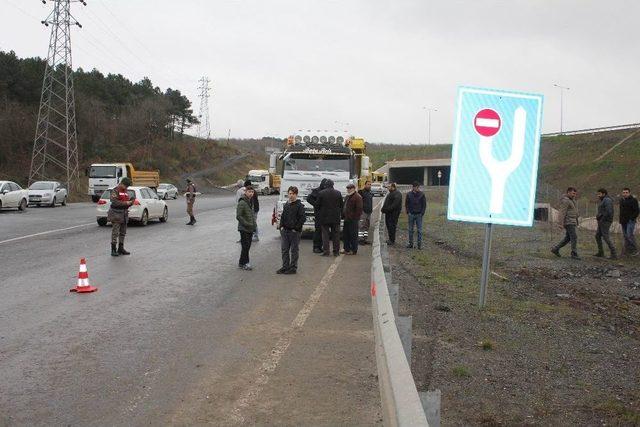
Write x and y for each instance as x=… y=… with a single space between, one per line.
x=494 y=164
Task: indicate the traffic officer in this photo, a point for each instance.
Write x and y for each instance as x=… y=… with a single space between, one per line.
x=190 y=195
x=118 y=215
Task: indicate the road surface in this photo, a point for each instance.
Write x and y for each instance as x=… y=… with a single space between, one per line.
x=176 y=333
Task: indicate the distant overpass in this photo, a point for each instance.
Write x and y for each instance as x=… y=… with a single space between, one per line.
x=431 y=172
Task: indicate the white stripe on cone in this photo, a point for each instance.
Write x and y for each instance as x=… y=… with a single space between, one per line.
x=83 y=268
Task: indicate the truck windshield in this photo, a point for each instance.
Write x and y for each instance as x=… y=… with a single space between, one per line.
x=102 y=172
x=254 y=178
x=317 y=163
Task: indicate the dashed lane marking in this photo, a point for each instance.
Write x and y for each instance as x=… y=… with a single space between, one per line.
x=15 y=239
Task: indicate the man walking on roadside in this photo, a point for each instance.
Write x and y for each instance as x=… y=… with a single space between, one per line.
x=629 y=211
x=391 y=209
x=291 y=222
x=329 y=214
x=568 y=219
x=118 y=215
x=415 y=205
x=312 y=198
x=605 y=219
x=367 y=210
x=351 y=211
x=190 y=196
x=246 y=226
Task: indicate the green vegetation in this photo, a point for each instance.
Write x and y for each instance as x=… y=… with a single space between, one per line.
x=486 y=345
x=620 y=413
x=382 y=153
x=461 y=371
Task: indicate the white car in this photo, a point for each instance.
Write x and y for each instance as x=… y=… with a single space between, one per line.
x=47 y=193
x=147 y=206
x=13 y=196
x=167 y=191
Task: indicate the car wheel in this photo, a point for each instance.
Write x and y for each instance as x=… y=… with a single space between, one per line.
x=165 y=215
x=102 y=222
x=175 y=196
x=95 y=199
x=53 y=202
x=145 y=218
x=64 y=201
x=164 y=197
x=23 y=205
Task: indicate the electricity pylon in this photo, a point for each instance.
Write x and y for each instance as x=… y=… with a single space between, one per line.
x=204 y=129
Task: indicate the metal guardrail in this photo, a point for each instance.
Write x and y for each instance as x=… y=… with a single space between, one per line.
x=594 y=130
x=401 y=404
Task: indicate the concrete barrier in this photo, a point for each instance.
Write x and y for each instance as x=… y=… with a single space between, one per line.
x=401 y=403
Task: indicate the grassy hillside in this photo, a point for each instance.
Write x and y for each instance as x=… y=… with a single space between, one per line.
x=382 y=153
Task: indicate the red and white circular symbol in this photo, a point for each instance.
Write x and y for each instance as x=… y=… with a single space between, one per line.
x=487 y=122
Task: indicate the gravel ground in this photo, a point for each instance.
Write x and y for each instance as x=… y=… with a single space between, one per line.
x=557 y=344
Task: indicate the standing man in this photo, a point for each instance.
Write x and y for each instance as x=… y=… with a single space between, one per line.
x=568 y=219
x=629 y=211
x=118 y=215
x=190 y=195
x=605 y=219
x=391 y=209
x=415 y=205
x=367 y=209
x=312 y=198
x=246 y=226
x=329 y=214
x=291 y=222
x=352 y=211
x=255 y=204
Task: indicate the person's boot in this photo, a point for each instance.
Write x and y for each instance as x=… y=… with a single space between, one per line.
x=114 y=251
x=419 y=245
x=599 y=254
x=614 y=255
x=193 y=220
x=556 y=252
x=122 y=251
x=574 y=255
x=410 y=245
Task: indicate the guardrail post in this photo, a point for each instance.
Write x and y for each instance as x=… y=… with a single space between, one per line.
x=394 y=295
x=404 y=325
x=431 y=404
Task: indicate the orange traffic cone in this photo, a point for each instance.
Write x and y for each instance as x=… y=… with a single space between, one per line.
x=83 y=280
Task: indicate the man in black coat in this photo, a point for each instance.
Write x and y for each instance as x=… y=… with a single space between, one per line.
x=391 y=209
x=312 y=198
x=291 y=223
x=329 y=214
x=629 y=211
x=367 y=209
x=255 y=204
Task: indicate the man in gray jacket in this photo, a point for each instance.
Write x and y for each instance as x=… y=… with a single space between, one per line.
x=568 y=219
x=605 y=219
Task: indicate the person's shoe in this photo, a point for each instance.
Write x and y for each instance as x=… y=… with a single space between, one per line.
x=636 y=253
x=317 y=251
x=190 y=221
x=336 y=254
x=613 y=256
x=390 y=243
x=291 y=271
x=247 y=267
x=114 y=251
x=364 y=242
x=556 y=252
x=193 y=220
x=410 y=246
x=419 y=246
x=326 y=254
x=256 y=239
x=599 y=255
x=575 y=256
x=281 y=270
x=122 y=250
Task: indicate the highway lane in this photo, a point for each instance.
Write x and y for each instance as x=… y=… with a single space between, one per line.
x=175 y=314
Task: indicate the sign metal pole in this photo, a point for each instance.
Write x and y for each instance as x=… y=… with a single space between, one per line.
x=486 y=267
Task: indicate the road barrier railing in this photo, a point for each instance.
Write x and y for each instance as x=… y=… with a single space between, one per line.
x=401 y=404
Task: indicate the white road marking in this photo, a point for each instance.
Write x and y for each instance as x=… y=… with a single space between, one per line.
x=15 y=239
x=270 y=363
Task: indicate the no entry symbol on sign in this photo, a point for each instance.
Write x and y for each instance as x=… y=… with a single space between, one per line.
x=487 y=122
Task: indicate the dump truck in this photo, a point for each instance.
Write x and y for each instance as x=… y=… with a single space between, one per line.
x=263 y=181
x=103 y=176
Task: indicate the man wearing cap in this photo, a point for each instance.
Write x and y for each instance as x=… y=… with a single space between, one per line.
x=118 y=215
x=190 y=195
x=415 y=205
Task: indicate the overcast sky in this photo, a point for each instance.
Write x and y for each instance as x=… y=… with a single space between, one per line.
x=280 y=65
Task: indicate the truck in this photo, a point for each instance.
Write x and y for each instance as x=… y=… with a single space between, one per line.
x=263 y=181
x=103 y=176
x=308 y=158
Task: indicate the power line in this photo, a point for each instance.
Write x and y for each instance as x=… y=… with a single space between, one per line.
x=204 y=130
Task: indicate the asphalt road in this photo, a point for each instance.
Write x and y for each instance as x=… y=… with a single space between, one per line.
x=176 y=333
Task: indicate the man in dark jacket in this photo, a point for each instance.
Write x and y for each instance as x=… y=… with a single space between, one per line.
x=367 y=209
x=291 y=222
x=246 y=226
x=351 y=211
x=416 y=205
x=629 y=211
x=255 y=204
x=568 y=219
x=391 y=209
x=118 y=215
x=329 y=213
x=312 y=198
x=605 y=219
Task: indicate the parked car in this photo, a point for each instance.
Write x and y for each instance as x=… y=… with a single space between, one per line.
x=13 y=196
x=167 y=191
x=378 y=189
x=47 y=193
x=146 y=206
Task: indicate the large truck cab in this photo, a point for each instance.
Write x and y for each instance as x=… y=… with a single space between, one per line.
x=103 y=176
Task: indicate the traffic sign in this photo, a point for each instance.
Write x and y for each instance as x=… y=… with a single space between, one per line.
x=494 y=165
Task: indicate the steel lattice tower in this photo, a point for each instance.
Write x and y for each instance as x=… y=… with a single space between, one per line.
x=55 y=147
x=204 y=129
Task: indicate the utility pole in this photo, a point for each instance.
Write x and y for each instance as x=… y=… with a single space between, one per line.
x=55 y=146
x=204 y=131
x=562 y=89
x=429 y=110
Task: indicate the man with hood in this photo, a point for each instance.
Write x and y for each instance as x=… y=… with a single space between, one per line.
x=312 y=199
x=246 y=226
x=416 y=205
x=291 y=222
x=329 y=215
x=605 y=219
x=255 y=204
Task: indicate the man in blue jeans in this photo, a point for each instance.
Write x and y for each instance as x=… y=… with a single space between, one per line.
x=629 y=212
x=415 y=204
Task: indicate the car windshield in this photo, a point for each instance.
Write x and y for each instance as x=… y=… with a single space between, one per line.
x=317 y=163
x=106 y=194
x=102 y=172
x=41 y=186
x=163 y=186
